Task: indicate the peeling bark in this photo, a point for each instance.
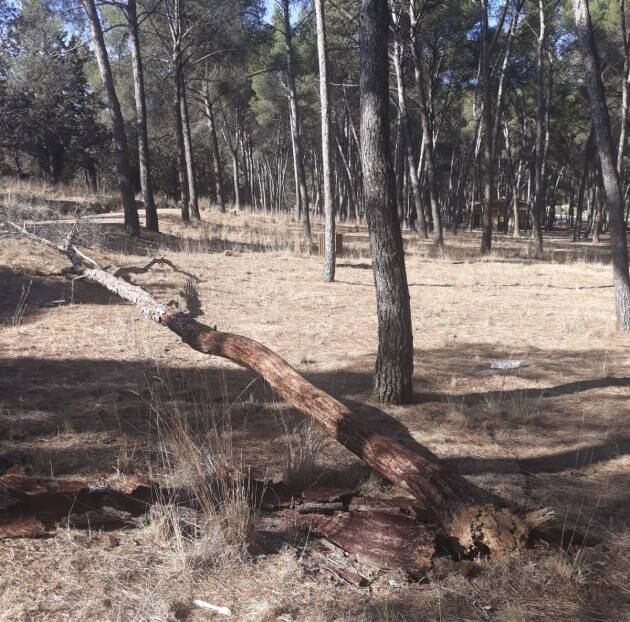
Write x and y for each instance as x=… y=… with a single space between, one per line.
x=32 y=507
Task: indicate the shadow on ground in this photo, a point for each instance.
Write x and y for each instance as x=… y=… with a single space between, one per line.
x=26 y=294
x=76 y=416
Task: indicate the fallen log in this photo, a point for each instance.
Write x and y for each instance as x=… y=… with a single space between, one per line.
x=462 y=512
x=31 y=507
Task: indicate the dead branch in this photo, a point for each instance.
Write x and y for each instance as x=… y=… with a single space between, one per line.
x=159 y=261
x=457 y=509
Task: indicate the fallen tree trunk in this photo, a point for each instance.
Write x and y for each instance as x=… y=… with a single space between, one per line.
x=31 y=507
x=461 y=511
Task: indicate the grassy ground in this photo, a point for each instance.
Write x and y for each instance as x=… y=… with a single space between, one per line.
x=85 y=386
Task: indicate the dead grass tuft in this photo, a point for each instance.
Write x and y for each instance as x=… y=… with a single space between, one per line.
x=375 y=485
x=455 y=413
x=128 y=460
x=22 y=305
x=198 y=456
x=522 y=409
x=300 y=460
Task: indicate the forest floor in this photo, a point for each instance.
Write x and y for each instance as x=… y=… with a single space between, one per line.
x=78 y=396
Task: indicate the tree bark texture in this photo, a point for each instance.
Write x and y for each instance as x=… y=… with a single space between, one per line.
x=488 y=164
x=214 y=144
x=328 y=273
x=605 y=148
x=144 y=161
x=188 y=152
x=132 y=224
x=394 y=361
x=295 y=125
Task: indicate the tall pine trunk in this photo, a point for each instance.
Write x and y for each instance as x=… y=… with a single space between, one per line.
x=132 y=224
x=328 y=274
x=188 y=153
x=295 y=126
x=141 y=120
x=605 y=148
x=394 y=361
x=182 y=178
x=539 y=185
x=427 y=139
x=488 y=164
x=625 y=90
x=405 y=141
x=214 y=144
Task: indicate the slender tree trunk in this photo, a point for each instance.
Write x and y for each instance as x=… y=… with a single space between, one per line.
x=328 y=273
x=182 y=177
x=233 y=147
x=539 y=186
x=295 y=125
x=597 y=215
x=394 y=362
x=57 y=159
x=348 y=172
x=188 y=153
x=612 y=187
x=488 y=164
x=399 y=170
x=551 y=215
x=237 y=188
x=427 y=135
x=141 y=120
x=498 y=113
x=214 y=143
x=516 y=200
x=448 y=205
x=406 y=146
x=132 y=224
x=460 y=199
x=90 y=171
x=296 y=175
x=625 y=90
x=515 y=180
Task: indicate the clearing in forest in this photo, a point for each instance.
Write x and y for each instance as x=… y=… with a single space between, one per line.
x=85 y=383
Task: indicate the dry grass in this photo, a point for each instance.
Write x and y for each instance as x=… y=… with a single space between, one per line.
x=301 y=459
x=34 y=200
x=197 y=454
x=84 y=386
x=22 y=305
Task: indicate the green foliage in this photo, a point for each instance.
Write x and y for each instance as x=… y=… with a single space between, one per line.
x=54 y=122
x=50 y=111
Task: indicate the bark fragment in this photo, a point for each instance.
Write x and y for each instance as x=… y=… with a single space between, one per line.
x=32 y=507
